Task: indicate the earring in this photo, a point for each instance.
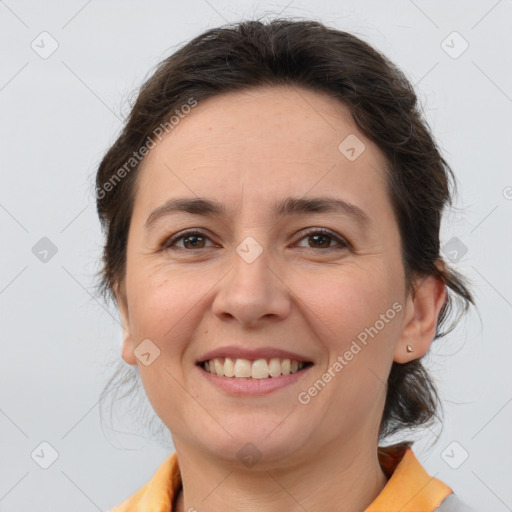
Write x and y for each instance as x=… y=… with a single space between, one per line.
x=409 y=348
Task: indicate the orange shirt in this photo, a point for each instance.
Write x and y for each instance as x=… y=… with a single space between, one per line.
x=409 y=488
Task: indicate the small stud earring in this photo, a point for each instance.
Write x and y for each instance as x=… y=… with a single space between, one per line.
x=409 y=348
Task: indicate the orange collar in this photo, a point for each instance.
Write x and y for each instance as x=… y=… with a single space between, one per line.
x=409 y=488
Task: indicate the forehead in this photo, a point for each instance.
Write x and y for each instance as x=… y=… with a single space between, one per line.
x=261 y=144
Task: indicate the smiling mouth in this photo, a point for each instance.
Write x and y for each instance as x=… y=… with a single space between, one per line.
x=240 y=368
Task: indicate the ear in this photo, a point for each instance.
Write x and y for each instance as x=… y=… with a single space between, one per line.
x=127 y=343
x=420 y=318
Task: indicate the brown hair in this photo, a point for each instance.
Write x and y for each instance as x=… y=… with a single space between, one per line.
x=384 y=107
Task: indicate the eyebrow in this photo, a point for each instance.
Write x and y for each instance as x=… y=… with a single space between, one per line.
x=289 y=206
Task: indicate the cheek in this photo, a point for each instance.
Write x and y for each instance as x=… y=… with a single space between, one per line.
x=350 y=298
x=346 y=304
x=164 y=302
x=359 y=308
x=165 y=310
x=362 y=310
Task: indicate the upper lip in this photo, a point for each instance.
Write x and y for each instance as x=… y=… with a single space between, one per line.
x=244 y=353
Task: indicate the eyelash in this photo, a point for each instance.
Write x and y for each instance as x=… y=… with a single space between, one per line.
x=342 y=243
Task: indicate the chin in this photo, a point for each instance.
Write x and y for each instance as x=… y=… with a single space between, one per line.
x=249 y=445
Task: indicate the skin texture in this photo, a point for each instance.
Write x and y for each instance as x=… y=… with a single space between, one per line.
x=249 y=150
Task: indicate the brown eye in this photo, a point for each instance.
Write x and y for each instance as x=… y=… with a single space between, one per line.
x=190 y=240
x=323 y=238
x=320 y=241
x=193 y=241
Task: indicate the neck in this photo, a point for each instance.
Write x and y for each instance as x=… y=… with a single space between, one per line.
x=346 y=479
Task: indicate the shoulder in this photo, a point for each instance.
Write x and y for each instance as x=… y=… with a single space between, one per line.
x=453 y=503
x=158 y=494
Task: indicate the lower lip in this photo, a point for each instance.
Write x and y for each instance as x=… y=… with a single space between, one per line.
x=249 y=386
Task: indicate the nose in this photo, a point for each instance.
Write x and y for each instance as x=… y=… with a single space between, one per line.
x=252 y=292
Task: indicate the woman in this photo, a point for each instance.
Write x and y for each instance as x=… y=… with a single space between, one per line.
x=272 y=212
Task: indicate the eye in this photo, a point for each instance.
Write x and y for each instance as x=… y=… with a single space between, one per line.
x=321 y=238
x=192 y=239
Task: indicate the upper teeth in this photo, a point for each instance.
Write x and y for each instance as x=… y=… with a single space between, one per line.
x=258 y=369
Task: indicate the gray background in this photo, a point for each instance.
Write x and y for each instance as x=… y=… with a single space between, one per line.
x=58 y=116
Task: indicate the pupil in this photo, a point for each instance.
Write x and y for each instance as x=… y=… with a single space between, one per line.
x=194 y=238
x=320 y=237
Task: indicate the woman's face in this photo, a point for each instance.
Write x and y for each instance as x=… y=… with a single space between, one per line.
x=256 y=277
